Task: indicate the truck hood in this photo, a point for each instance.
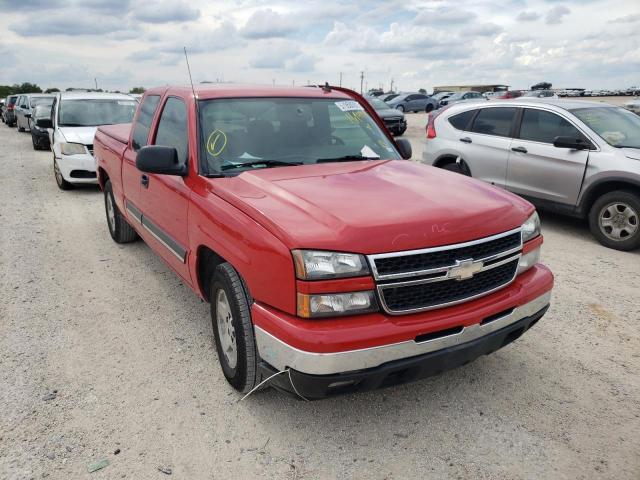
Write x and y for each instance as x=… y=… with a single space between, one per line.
x=371 y=207
x=82 y=135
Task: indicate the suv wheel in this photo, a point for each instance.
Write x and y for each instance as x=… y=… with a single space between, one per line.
x=614 y=220
x=457 y=168
x=233 y=329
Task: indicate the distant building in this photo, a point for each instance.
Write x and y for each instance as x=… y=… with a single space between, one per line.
x=474 y=88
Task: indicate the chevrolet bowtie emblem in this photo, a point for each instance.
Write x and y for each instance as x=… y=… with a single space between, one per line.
x=465 y=269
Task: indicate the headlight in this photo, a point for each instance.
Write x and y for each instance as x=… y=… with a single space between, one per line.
x=531 y=228
x=528 y=260
x=72 y=148
x=318 y=265
x=335 y=304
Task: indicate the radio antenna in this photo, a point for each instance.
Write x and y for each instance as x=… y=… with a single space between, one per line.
x=189 y=70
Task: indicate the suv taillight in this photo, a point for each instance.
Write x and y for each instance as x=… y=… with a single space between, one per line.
x=9 y=107
x=431 y=129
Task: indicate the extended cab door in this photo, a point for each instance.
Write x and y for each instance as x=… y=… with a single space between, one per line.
x=139 y=138
x=539 y=170
x=486 y=145
x=164 y=199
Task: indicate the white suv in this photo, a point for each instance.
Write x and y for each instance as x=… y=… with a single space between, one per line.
x=576 y=157
x=74 y=120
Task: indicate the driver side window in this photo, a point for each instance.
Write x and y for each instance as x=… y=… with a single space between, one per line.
x=172 y=128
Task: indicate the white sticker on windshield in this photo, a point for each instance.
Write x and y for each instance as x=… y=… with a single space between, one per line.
x=368 y=152
x=126 y=102
x=349 y=106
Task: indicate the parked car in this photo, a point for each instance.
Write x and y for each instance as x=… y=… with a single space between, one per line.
x=439 y=96
x=40 y=136
x=541 y=86
x=508 y=94
x=633 y=105
x=632 y=91
x=461 y=97
x=25 y=105
x=393 y=118
x=388 y=96
x=413 y=102
x=540 y=94
x=250 y=201
x=2 y=102
x=73 y=123
x=578 y=158
x=8 y=114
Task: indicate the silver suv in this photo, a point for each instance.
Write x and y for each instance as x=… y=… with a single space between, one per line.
x=575 y=157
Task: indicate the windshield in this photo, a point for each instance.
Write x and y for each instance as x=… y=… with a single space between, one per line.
x=378 y=104
x=617 y=126
x=94 y=112
x=441 y=95
x=12 y=100
x=42 y=111
x=263 y=132
x=41 y=101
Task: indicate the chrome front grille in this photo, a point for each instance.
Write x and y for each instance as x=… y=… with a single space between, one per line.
x=432 y=278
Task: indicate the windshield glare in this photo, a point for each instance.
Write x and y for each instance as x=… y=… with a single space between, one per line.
x=94 y=112
x=289 y=130
x=41 y=101
x=617 y=126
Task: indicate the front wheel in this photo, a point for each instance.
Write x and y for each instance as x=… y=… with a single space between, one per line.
x=233 y=329
x=429 y=108
x=60 y=181
x=456 y=168
x=614 y=220
x=400 y=107
x=119 y=228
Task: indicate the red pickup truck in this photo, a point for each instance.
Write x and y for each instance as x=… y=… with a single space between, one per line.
x=331 y=263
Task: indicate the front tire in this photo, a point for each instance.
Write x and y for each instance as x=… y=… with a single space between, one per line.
x=429 y=108
x=119 y=228
x=60 y=181
x=614 y=220
x=456 y=168
x=233 y=328
x=400 y=107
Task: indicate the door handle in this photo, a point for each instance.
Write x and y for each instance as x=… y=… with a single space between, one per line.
x=519 y=149
x=465 y=140
x=144 y=180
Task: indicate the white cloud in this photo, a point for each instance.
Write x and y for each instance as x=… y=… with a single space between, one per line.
x=268 y=24
x=528 y=16
x=555 y=15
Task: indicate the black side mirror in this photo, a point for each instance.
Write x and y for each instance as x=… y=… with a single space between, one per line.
x=159 y=159
x=572 y=142
x=44 y=123
x=404 y=146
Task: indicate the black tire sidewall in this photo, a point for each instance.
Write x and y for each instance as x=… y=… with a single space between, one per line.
x=243 y=376
x=113 y=229
x=622 y=196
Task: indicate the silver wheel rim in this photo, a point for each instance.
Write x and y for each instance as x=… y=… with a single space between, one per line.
x=111 y=213
x=226 y=332
x=618 y=221
x=57 y=173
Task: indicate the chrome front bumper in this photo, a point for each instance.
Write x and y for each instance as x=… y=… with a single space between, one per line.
x=281 y=355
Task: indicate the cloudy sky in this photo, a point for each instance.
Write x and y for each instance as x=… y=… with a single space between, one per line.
x=418 y=44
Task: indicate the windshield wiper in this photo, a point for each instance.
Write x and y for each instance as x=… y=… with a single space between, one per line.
x=266 y=163
x=346 y=158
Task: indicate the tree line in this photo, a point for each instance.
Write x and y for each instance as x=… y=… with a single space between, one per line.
x=28 y=87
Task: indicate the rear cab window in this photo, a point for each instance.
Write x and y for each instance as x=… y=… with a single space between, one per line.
x=496 y=121
x=143 y=122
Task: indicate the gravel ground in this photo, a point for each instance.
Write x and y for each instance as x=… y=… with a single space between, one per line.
x=104 y=351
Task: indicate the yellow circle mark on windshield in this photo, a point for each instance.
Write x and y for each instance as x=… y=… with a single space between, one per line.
x=216 y=142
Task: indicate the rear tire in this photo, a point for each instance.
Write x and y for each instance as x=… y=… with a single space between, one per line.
x=119 y=228
x=400 y=107
x=233 y=328
x=614 y=220
x=456 y=168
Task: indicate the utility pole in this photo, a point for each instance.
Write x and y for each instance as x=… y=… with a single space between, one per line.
x=361 y=80
x=391 y=87
x=340 y=78
x=96 y=82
